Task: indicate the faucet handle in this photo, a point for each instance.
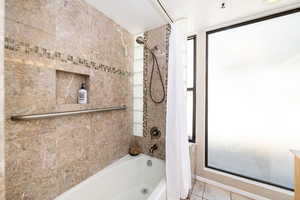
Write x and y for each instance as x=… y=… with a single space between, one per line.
x=153 y=148
x=155 y=133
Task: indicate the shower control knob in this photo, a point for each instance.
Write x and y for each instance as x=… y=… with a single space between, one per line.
x=155 y=133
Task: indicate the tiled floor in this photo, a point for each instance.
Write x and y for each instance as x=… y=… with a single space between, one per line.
x=203 y=191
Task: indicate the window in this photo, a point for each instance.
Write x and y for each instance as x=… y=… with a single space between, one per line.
x=138 y=92
x=253 y=98
x=191 y=86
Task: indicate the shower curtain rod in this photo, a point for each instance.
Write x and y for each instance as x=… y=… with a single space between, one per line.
x=160 y=3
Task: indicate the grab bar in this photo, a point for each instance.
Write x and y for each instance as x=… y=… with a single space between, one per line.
x=66 y=113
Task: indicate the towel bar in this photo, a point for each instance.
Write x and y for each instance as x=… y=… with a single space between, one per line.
x=66 y=113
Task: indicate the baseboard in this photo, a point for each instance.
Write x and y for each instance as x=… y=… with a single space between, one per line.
x=230 y=188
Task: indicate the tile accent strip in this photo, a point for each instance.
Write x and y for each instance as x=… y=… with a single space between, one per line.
x=145 y=84
x=167 y=40
x=13 y=45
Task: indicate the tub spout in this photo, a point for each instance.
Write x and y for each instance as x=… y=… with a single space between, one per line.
x=153 y=148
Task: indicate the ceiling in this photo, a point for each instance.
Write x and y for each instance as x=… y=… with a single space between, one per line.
x=134 y=15
x=138 y=16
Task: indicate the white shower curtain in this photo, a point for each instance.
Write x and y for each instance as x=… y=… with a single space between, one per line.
x=178 y=169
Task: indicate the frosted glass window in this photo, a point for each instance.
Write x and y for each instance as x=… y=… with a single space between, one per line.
x=253 y=99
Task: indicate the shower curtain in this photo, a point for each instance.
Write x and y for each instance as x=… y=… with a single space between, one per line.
x=178 y=169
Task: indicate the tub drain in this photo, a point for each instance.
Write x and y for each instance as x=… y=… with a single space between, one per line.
x=145 y=191
x=149 y=163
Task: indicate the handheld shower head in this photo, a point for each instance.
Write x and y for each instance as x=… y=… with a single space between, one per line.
x=141 y=40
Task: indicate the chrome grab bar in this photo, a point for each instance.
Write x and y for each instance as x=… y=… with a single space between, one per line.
x=66 y=113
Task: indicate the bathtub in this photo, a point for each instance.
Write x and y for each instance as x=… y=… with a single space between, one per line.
x=130 y=178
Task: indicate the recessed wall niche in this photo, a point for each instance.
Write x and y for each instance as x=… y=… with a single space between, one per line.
x=67 y=86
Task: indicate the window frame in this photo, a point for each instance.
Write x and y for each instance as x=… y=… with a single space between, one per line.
x=253 y=21
x=193 y=89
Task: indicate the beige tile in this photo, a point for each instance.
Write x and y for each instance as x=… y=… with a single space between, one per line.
x=24 y=129
x=71 y=174
x=47 y=157
x=2 y=194
x=68 y=85
x=198 y=188
x=73 y=136
x=34 y=13
x=102 y=128
x=28 y=89
x=238 y=197
x=97 y=159
x=2 y=186
x=103 y=90
x=72 y=25
x=195 y=197
x=215 y=193
x=29 y=158
x=30 y=168
x=27 y=34
x=38 y=189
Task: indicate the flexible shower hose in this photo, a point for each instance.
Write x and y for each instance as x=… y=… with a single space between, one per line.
x=154 y=62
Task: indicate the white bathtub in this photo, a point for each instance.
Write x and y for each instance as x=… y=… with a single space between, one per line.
x=129 y=178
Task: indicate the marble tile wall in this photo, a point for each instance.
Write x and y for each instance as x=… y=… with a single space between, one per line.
x=44 y=158
x=2 y=160
x=155 y=114
x=67 y=85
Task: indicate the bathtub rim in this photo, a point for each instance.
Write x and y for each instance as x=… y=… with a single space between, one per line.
x=127 y=158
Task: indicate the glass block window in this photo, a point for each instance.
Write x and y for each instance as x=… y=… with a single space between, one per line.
x=138 y=89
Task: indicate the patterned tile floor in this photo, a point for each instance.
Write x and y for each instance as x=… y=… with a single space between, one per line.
x=203 y=191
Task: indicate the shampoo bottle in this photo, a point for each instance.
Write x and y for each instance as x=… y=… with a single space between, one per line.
x=82 y=94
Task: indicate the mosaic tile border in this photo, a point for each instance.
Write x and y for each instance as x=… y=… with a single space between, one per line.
x=145 y=86
x=29 y=49
x=167 y=40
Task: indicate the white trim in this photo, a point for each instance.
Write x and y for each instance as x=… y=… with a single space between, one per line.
x=245 y=180
x=230 y=189
x=251 y=17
